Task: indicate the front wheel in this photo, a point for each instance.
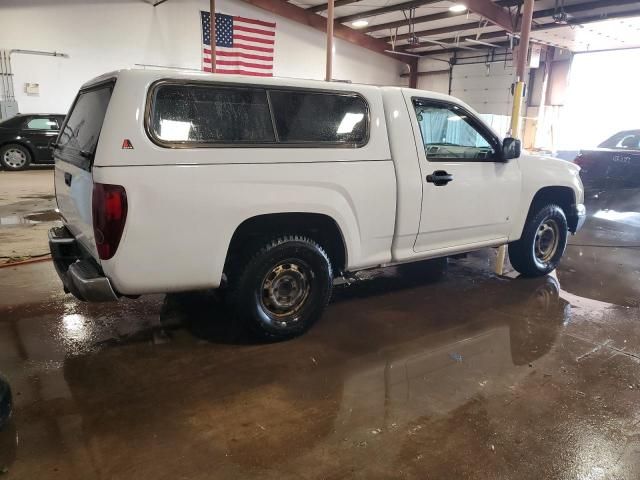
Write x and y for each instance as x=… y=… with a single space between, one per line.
x=14 y=157
x=283 y=288
x=542 y=244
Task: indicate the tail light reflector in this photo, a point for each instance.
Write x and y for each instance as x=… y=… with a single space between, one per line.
x=109 y=216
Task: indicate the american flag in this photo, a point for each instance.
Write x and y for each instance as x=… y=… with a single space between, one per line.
x=243 y=45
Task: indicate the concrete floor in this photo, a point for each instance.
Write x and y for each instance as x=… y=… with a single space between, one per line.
x=27 y=203
x=472 y=376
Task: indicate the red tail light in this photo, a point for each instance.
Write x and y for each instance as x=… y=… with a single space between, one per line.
x=109 y=216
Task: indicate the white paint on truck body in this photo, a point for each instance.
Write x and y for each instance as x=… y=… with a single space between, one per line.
x=184 y=204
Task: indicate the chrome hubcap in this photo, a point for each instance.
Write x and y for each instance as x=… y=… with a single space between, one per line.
x=15 y=158
x=285 y=288
x=547 y=239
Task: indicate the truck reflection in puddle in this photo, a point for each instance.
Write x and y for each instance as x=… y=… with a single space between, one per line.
x=376 y=362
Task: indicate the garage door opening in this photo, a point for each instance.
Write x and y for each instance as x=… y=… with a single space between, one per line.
x=602 y=98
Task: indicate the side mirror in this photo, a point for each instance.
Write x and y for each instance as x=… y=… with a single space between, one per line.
x=510 y=148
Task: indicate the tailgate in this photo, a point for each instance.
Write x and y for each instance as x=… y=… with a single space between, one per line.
x=74 y=152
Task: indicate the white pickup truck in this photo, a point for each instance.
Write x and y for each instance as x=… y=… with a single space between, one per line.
x=268 y=188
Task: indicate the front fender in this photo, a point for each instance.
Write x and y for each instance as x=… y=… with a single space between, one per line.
x=540 y=172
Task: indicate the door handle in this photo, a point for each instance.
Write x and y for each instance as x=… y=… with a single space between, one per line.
x=439 y=178
x=67 y=178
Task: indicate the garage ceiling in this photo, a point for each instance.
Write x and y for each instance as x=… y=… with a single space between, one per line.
x=435 y=29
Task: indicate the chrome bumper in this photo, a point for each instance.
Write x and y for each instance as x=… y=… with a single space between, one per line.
x=79 y=273
x=576 y=217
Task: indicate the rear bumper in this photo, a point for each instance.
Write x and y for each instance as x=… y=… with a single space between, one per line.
x=79 y=273
x=576 y=217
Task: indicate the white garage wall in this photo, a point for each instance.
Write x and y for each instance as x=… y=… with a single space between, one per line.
x=437 y=81
x=104 y=35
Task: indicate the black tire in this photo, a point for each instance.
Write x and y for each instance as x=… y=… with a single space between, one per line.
x=15 y=157
x=542 y=244
x=290 y=269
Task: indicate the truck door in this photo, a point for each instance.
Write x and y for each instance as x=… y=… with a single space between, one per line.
x=469 y=195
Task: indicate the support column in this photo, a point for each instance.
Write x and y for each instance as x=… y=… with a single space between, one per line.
x=518 y=91
x=413 y=73
x=330 y=21
x=521 y=63
x=212 y=31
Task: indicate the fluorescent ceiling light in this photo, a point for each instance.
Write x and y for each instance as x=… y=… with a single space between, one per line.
x=458 y=7
x=402 y=53
x=445 y=44
x=359 y=23
x=480 y=42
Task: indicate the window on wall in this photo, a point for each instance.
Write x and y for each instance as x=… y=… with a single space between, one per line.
x=448 y=133
x=310 y=117
x=211 y=114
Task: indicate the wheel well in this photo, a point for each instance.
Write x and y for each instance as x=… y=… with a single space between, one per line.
x=17 y=142
x=321 y=228
x=564 y=197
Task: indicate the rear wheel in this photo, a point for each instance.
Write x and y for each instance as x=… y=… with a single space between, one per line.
x=282 y=288
x=542 y=244
x=15 y=157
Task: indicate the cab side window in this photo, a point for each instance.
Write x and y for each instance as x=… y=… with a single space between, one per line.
x=39 y=123
x=450 y=133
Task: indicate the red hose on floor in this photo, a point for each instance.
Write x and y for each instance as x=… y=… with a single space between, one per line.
x=40 y=258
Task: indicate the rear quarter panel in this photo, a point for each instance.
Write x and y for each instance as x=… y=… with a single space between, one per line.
x=181 y=218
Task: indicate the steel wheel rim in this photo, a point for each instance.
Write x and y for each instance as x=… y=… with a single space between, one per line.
x=15 y=158
x=285 y=288
x=547 y=240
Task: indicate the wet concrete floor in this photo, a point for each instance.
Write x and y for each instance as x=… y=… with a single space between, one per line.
x=27 y=212
x=471 y=376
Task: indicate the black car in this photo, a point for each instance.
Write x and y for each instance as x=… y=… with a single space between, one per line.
x=26 y=139
x=615 y=163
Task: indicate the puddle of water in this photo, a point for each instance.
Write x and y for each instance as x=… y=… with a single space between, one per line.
x=30 y=219
x=626 y=218
x=46 y=216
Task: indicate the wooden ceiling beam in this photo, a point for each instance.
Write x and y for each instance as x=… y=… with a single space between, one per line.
x=436 y=31
x=388 y=9
x=534 y=28
x=429 y=18
x=582 y=7
x=492 y=12
x=338 y=3
x=300 y=15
